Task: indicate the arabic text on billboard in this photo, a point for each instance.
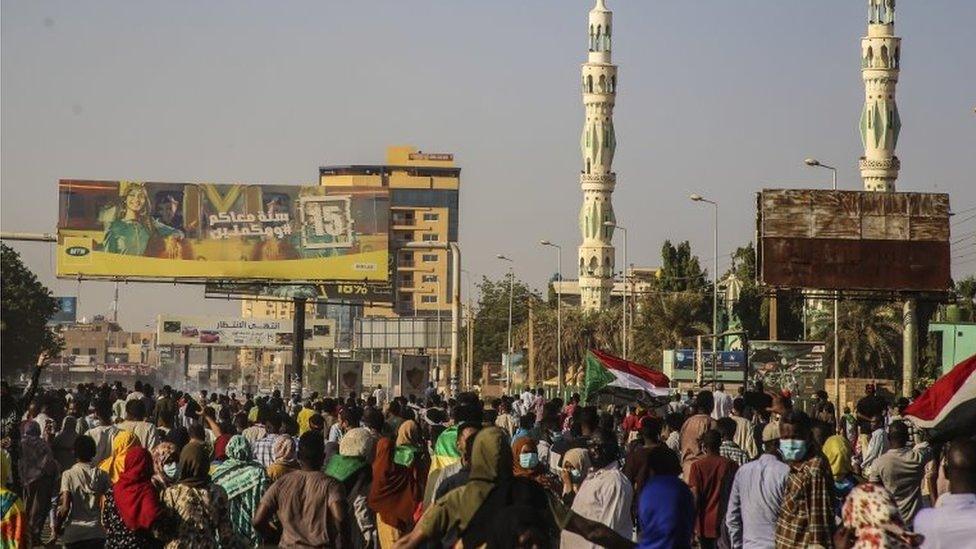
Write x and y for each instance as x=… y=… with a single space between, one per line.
x=242 y=332
x=238 y=232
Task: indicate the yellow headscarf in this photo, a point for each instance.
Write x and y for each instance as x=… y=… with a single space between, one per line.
x=838 y=453
x=115 y=463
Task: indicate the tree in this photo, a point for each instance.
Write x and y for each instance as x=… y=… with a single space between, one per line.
x=668 y=321
x=680 y=269
x=26 y=307
x=869 y=334
x=491 y=321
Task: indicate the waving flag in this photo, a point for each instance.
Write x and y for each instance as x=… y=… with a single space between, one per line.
x=948 y=407
x=607 y=374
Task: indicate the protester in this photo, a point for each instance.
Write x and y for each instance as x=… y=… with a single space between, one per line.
x=135 y=422
x=245 y=482
x=63 y=444
x=309 y=505
x=665 y=506
x=900 y=471
x=285 y=461
x=605 y=495
x=875 y=445
x=710 y=479
x=38 y=473
x=399 y=477
x=806 y=517
x=640 y=462
x=114 y=464
x=837 y=450
x=672 y=431
x=693 y=428
x=952 y=523
x=82 y=487
x=757 y=495
x=576 y=465
x=726 y=427
x=131 y=508
x=723 y=402
x=744 y=436
x=13 y=516
x=456 y=474
x=197 y=510
x=105 y=432
x=165 y=468
x=526 y=464
x=351 y=467
x=871 y=519
x=471 y=510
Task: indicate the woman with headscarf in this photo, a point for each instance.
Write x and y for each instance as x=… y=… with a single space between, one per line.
x=871 y=520
x=575 y=465
x=197 y=511
x=472 y=510
x=63 y=444
x=526 y=464
x=13 y=518
x=165 y=470
x=350 y=466
x=131 y=508
x=399 y=476
x=115 y=462
x=284 y=451
x=38 y=472
x=838 y=452
x=220 y=448
x=245 y=481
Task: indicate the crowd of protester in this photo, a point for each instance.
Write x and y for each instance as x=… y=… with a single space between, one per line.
x=111 y=466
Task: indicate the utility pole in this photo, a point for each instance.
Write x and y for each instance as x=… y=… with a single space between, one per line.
x=532 y=376
x=909 y=345
x=298 y=345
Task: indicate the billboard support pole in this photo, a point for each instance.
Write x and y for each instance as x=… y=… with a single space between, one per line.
x=909 y=343
x=209 y=364
x=298 y=344
x=186 y=365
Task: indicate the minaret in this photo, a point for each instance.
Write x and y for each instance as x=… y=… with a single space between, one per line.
x=596 y=253
x=880 y=124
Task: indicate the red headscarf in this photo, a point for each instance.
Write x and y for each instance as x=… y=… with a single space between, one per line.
x=220 y=447
x=134 y=494
x=396 y=490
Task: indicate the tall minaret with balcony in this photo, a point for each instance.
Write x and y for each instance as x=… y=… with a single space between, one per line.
x=880 y=124
x=596 y=253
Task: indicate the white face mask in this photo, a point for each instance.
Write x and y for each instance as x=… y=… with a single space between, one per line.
x=170 y=469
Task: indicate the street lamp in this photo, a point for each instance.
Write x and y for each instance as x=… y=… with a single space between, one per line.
x=511 y=297
x=559 y=314
x=613 y=224
x=700 y=198
x=814 y=163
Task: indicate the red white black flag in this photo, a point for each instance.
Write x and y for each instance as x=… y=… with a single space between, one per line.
x=948 y=407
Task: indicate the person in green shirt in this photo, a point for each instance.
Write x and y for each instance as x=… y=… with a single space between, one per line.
x=132 y=228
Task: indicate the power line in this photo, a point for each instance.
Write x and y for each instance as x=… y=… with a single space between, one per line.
x=963 y=220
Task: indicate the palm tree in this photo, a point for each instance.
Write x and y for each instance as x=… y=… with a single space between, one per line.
x=667 y=321
x=869 y=334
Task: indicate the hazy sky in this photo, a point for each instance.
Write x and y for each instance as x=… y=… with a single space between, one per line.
x=715 y=96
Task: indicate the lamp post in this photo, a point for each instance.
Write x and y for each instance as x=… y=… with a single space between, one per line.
x=614 y=225
x=511 y=297
x=700 y=198
x=469 y=370
x=814 y=163
x=559 y=314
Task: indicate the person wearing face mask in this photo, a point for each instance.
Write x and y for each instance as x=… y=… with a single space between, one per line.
x=576 y=465
x=806 y=517
x=605 y=495
x=526 y=464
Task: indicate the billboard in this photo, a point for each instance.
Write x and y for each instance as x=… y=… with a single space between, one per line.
x=67 y=312
x=414 y=374
x=350 y=377
x=191 y=231
x=242 y=332
x=853 y=240
x=679 y=365
x=425 y=332
x=797 y=366
x=346 y=291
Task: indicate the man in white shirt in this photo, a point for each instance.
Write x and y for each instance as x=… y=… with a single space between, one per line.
x=952 y=523
x=605 y=495
x=723 y=402
x=135 y=421
x=877 y=444
x=105 y=433
x=379 y=395
x=757 y=496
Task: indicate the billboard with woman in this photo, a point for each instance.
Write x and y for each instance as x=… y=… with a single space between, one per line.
x=189 y=231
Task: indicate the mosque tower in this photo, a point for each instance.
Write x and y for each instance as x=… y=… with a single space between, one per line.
x=880 y=124
x=597 y=144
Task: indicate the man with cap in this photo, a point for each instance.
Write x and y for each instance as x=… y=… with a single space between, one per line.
x=757 y=494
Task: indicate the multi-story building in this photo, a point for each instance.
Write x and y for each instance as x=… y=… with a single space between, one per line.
x=102 y=341
x=423 y=208
x=264 y=367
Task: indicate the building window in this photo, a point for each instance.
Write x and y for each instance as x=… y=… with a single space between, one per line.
x=430 y=258
x=428 y=299
x=92 y=351
x=431 y=217
x=76 y=351
x=430 y=278
x=432 y=237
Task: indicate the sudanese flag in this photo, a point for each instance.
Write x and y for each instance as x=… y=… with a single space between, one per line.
x=607 y=374
x=948 y=408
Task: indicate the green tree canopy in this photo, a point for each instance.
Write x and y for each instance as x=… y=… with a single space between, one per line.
x=680 y=269
x=491 y=320
x=27 y=305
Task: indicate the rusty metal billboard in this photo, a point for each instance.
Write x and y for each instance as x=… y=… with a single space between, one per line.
x=853 y=240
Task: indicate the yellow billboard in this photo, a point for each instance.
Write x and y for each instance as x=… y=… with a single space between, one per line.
x=196 y=232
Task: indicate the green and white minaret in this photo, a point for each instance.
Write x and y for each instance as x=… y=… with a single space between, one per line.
x=597 y=180
x=880 y=124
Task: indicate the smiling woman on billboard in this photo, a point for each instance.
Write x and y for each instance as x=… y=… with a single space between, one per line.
x=129 y=228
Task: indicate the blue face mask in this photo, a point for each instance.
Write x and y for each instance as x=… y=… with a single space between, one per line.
x=170 y=469
x=792 y=449
x=529 y=461
x=575 y=475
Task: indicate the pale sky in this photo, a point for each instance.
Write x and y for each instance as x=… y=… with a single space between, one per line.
x=716 y=97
